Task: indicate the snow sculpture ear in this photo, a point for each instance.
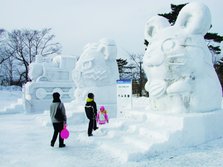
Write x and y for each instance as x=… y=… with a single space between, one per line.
x=102 y=49
x=108 y=48
x=194 y=18
x=153 y=25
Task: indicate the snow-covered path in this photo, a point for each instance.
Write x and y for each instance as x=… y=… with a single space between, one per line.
x=25 y=142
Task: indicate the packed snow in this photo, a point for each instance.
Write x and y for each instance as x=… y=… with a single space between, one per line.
x=25 y=141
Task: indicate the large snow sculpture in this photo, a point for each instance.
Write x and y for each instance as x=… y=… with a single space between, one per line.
x=48 y=75
x=178 y=63
x=96 y=71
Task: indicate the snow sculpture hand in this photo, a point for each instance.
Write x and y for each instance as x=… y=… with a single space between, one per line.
x=178 y=63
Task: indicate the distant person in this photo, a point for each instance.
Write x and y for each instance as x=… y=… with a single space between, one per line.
x=58 y=118
x=91 y=112
x=102 y=116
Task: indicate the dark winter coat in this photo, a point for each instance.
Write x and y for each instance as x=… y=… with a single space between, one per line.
x=93 y=104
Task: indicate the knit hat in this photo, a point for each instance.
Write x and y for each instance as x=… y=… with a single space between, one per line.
x=56 y=97
x=90 y=95
x=102 y=108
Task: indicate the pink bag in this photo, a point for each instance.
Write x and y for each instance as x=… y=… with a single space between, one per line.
x=64 y=133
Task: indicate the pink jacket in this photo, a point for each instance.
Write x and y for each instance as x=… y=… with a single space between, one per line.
x=102 y=117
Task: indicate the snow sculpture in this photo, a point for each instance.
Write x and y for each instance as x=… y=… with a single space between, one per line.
x=178 y=63
x=96 y=71
x=48 y=75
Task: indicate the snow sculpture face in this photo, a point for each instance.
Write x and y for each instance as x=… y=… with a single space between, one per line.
x=96 y=67
x=178 y=63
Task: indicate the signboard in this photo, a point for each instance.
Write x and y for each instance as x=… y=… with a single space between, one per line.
x=124 y=95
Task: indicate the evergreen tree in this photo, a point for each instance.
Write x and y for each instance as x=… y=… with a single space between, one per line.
x=121 y=63
x=172 y=16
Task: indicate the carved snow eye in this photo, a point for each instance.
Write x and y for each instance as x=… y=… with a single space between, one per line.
x=87 y=64
x=168 y=45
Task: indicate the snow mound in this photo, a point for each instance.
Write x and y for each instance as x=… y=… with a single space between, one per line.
x=141 y=135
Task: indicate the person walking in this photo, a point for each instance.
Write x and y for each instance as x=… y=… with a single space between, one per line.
x=91 y=112
x=58 y=118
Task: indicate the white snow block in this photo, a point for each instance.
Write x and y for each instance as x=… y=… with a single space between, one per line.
x=37 y=96
x=163 y=132
x=185 y=130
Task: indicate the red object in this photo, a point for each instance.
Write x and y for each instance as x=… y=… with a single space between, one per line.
x=64 y=133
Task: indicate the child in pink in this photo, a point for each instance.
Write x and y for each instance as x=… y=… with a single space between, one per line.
x=102 y=116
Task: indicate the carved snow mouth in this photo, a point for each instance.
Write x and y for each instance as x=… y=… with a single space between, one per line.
x=95 y=75
x=172 y=60
x=177 y=59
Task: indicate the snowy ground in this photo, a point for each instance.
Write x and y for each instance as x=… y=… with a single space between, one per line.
x=25 y=142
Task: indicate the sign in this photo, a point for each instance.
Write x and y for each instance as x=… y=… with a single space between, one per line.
x=124 y=95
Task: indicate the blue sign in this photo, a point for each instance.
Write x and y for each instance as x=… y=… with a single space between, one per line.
x=124 y=81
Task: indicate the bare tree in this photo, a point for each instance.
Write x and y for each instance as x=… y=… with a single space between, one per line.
x=9 y=71
x=3 y=55
x=137 y=73
x=24 y=45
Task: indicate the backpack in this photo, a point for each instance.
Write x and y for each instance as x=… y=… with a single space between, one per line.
x=59 y=114
x=89 y=111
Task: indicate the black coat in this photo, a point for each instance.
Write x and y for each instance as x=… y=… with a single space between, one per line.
x=94 y=106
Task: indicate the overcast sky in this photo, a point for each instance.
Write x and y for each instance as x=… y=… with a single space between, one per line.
x=78 y=22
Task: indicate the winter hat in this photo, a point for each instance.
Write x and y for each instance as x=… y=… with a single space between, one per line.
x=90 y=95
x=56 y=96
x=102 y=108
